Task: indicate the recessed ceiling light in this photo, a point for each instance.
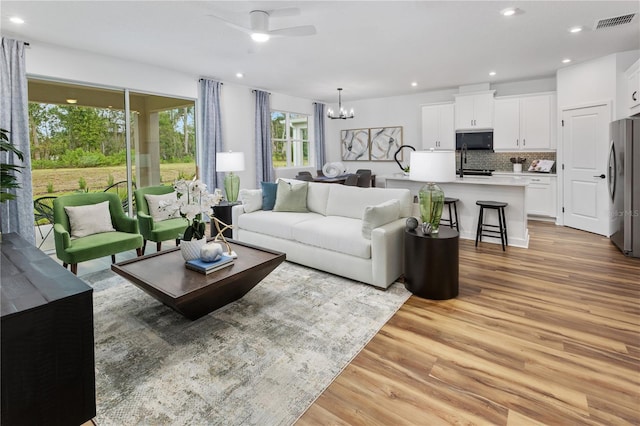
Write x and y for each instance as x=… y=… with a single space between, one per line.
x=566 y=61
x=414 y=83
x=260 y=37
x=492 y=73
x=16 y=20
x=575 y=29
x=72 y=101
x=510 y=11
x=239 y=75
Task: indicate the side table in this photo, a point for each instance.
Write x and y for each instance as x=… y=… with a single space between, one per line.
x=431 y=263
x=223 y=212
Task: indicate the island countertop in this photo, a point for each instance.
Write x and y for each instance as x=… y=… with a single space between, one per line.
x=468 y=190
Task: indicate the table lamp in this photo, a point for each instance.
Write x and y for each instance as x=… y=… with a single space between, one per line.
x=230 y=162
x=431 y=167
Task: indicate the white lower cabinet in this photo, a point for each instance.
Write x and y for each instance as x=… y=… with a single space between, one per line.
x=541 y=196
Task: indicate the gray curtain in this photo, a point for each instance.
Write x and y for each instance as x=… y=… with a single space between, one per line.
x=211 y=132
x=318 y=133
x=16 y=215
x=264 y=166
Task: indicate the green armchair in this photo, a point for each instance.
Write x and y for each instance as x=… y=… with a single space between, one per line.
x=72 y=251
x=158 y=231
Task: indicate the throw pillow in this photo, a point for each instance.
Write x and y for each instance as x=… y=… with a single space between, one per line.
x=291 y=197
x=89 y=219
x=251 y=199
x=375 y=216
x=157 y=213
x=269 y=190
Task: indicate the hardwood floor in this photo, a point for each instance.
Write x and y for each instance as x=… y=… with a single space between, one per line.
x=548 y=335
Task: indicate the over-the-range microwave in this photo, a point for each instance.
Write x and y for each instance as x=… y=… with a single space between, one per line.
x=475 y=140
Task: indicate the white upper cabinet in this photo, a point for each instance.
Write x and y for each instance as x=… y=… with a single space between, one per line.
x=633 y=88
x=474 y=111
x=524 y=123
x=437 y=126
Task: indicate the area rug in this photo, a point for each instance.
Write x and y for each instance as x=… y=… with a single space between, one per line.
x=261 y=360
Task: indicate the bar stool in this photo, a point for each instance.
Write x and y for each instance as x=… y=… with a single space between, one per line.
x=502 y=222
x=453 y=218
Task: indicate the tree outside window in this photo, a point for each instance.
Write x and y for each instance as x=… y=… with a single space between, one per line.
x=290 y=139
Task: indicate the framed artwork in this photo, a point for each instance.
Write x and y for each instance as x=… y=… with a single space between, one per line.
x=355 y=144
x=385 y=141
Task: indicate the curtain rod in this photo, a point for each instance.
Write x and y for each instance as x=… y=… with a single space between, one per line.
x=200 y=79
x=255 y=90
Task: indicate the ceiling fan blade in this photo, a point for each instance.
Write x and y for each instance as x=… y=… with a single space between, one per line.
x=304 y=30
x=232 y=24
x=287 y=11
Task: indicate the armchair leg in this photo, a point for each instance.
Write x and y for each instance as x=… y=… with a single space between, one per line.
x=74 y=268
x=144 y=246
x=177 y=242
x=113 y=258
x=139 y=252
x=65 y=265
x=159 y=246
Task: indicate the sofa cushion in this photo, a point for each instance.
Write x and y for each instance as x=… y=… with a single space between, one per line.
x=269 y=190
x=157 y=210
x=89 y=219
x=336 y=233
x=251 y=199
x=375 y=216
x=276 y=224
x=350 y=201
x=291 y=197
x=317 y=196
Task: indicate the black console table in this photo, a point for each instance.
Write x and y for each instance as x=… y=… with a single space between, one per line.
x=431 y=263
x=47 y=346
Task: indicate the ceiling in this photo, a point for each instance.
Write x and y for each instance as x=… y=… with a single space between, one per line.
x=371 y=49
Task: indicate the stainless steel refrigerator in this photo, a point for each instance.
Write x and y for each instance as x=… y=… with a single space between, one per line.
x=624 y=185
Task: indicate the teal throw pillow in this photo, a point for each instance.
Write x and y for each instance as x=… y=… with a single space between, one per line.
x=291 y=197
x=269 y=190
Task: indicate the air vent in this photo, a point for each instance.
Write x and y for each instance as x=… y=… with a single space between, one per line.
x=614 y=22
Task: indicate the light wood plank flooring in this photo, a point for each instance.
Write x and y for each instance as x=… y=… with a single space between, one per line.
x=548 y=335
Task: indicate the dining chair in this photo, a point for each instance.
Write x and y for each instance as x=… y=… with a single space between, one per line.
x=364 y=178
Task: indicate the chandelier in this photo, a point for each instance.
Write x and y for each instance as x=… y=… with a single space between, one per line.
x=343 y=112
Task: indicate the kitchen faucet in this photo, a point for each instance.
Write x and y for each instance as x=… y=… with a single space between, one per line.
x=463 y=155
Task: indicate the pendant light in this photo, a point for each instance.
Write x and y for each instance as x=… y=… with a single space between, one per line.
x=343 y=112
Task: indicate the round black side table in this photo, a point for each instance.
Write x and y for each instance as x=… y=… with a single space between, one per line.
x=431 y=263
x=223 y=212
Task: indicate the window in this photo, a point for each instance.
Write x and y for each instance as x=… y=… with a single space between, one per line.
x=290 y=139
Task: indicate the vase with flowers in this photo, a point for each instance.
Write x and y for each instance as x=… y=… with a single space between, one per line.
x=193 y=202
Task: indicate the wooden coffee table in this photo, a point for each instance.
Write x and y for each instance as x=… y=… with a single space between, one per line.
x=164 y=276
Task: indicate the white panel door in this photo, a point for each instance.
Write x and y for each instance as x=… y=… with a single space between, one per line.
x=585 y=136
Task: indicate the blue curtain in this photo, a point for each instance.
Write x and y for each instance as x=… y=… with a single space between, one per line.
x=211 y=132
x=16 y=215
x=318 y=133
x=264 y=166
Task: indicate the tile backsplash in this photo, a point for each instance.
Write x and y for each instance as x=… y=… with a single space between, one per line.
x=501 y=161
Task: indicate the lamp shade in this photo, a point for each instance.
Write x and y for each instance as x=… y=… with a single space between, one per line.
x=433 y=166
x=229 y=161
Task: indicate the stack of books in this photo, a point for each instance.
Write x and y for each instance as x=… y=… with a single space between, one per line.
x=208 y=267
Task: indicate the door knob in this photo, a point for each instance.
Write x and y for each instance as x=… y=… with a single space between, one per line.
x=602 y=176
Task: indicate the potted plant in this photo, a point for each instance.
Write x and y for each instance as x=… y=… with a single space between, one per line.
x=517 y=163
x=7 y=171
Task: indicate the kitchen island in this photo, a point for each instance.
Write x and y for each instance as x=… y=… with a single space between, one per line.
x=470 y=189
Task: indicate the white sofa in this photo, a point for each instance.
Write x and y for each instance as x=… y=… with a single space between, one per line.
x=330 y=236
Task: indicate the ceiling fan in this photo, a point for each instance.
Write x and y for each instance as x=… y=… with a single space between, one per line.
x=259 y=25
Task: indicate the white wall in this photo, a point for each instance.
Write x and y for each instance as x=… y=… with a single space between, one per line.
x=405 y=111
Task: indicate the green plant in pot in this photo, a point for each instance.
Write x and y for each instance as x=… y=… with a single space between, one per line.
x=8 y=179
